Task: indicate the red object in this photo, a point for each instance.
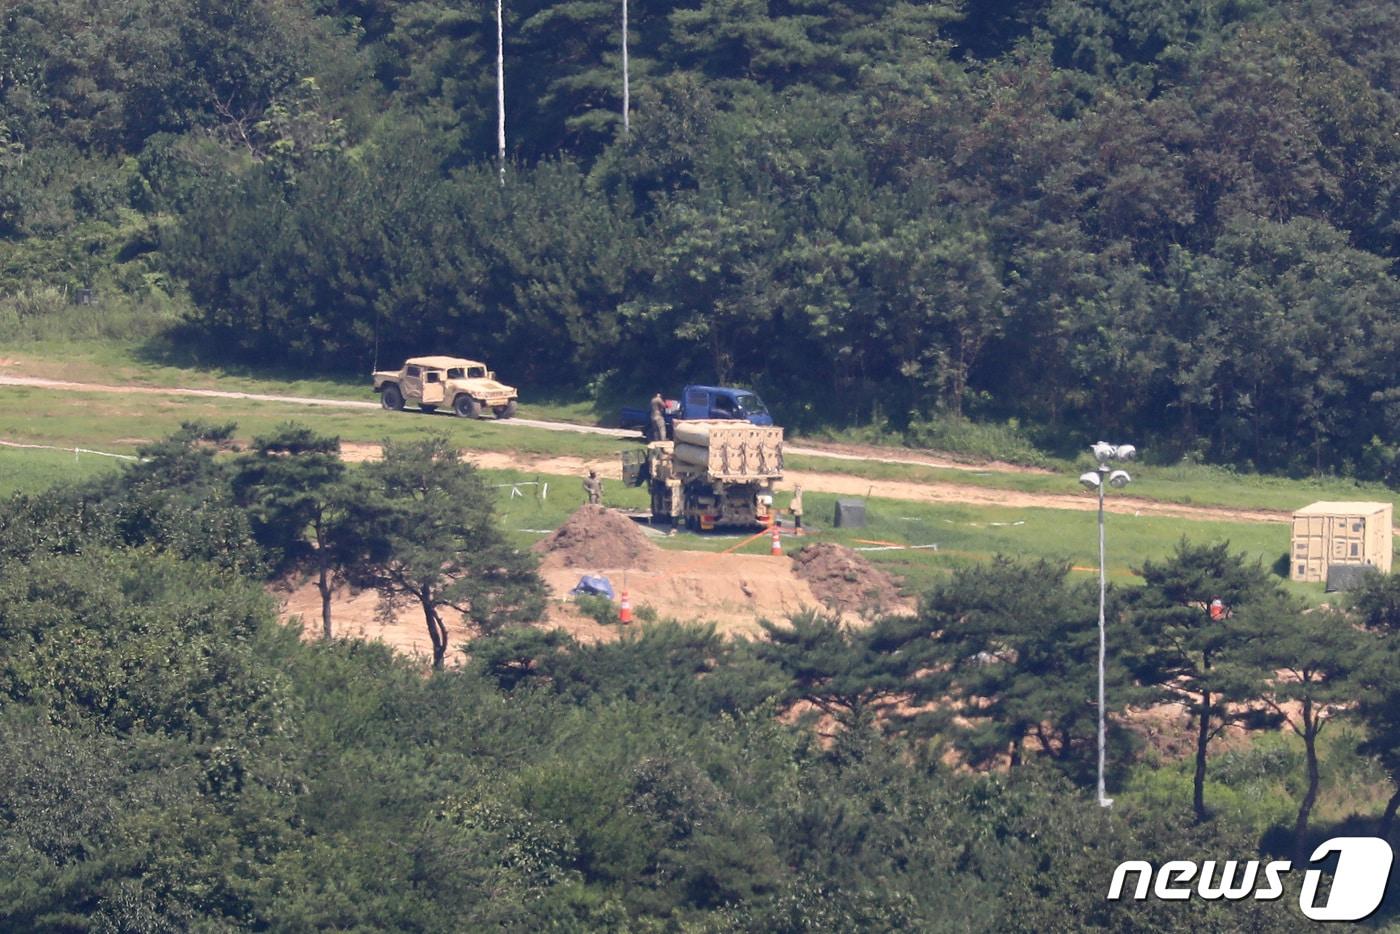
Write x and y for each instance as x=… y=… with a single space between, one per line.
x=777 y=550
x=624 y=609
x=1217 y=609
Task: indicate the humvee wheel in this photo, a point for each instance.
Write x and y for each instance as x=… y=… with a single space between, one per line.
x=430 y=409
x=505 y=411
x=391 y=398
x=466 y=406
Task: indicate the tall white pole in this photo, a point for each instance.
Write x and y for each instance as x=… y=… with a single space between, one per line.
x=500 y=93
x=1103 y=637
x=626 y=82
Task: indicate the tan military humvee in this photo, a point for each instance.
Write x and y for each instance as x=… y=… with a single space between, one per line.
x=429 y=382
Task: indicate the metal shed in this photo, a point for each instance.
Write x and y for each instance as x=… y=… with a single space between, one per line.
x=1325 y=534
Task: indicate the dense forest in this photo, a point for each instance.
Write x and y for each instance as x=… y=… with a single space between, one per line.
x=1173 y=219
x=178 y=760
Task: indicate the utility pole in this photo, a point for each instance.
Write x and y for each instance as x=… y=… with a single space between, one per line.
x=626 y=78
x=500 y=93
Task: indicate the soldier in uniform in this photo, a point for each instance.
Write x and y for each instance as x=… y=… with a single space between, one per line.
x=795 y=507
x=658 y=418
x=593 y=486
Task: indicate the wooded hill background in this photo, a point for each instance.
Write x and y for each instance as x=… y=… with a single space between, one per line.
x=1174 y=218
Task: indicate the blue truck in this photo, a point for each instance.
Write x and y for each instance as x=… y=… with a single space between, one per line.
x=701 y=402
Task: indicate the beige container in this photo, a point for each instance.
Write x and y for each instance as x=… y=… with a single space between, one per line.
x=1325 y=534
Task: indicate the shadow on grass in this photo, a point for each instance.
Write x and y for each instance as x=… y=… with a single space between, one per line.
x=176 y=347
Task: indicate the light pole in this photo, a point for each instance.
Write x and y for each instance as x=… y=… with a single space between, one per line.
x=1097 y=479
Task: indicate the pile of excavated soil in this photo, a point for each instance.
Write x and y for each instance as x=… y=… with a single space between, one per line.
x=732 y=591
x=845 y=581
x=597 y=537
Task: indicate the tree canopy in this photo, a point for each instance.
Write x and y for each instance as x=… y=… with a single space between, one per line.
x=178 y=759
x=1081 y=218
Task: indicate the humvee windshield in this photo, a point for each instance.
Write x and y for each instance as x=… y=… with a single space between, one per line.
x=476 y=372
x=454 y=372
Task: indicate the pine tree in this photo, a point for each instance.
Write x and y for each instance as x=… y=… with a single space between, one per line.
x=425 y=533
x=1192 y=649
x=292 y=486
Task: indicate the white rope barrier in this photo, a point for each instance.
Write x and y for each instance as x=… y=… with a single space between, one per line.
x=73 y=451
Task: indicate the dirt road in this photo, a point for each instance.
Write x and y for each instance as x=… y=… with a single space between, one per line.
x=937 y=492
x=844 y=485
x=847 y=452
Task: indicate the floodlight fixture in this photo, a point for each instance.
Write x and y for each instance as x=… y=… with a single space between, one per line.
x=1097 y=480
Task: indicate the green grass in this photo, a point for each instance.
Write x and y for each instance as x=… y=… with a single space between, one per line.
x=1186 y=484
x=985 y=441
x=1258 y=780
x=122 y=422
x=116 y=361
x=963 y=534
x=970 y=534
x=100 y=360
x=30 y=471
x=45 y=316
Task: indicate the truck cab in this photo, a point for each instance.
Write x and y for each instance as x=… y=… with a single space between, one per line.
x=698 y=403
x=703 y=402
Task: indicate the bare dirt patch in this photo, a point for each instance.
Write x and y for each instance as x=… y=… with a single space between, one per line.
x=356 y=452
x=846 y=582
x=597 y=537
x=357 y=615
x=732 y=591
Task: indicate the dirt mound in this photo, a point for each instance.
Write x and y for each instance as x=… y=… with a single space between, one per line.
x=598 y=537
x=732 y=591
x=844 y=580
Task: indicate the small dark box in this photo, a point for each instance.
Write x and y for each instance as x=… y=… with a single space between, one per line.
x=850 y=514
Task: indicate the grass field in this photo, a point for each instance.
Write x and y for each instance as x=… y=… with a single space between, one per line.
x=962 y=534
x=30 y=471
x=132 y=363
x=1187 y=484
x=121 y=422
x=111 y=362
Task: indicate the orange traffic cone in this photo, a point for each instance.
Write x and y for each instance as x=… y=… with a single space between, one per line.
x=624 y=609
x=777 y=550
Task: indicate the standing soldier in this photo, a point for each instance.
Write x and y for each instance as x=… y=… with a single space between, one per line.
x=795 y=507
x=593 y=486
x=658 y=418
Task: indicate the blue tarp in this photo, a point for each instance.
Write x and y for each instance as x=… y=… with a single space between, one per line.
x=593 y=585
